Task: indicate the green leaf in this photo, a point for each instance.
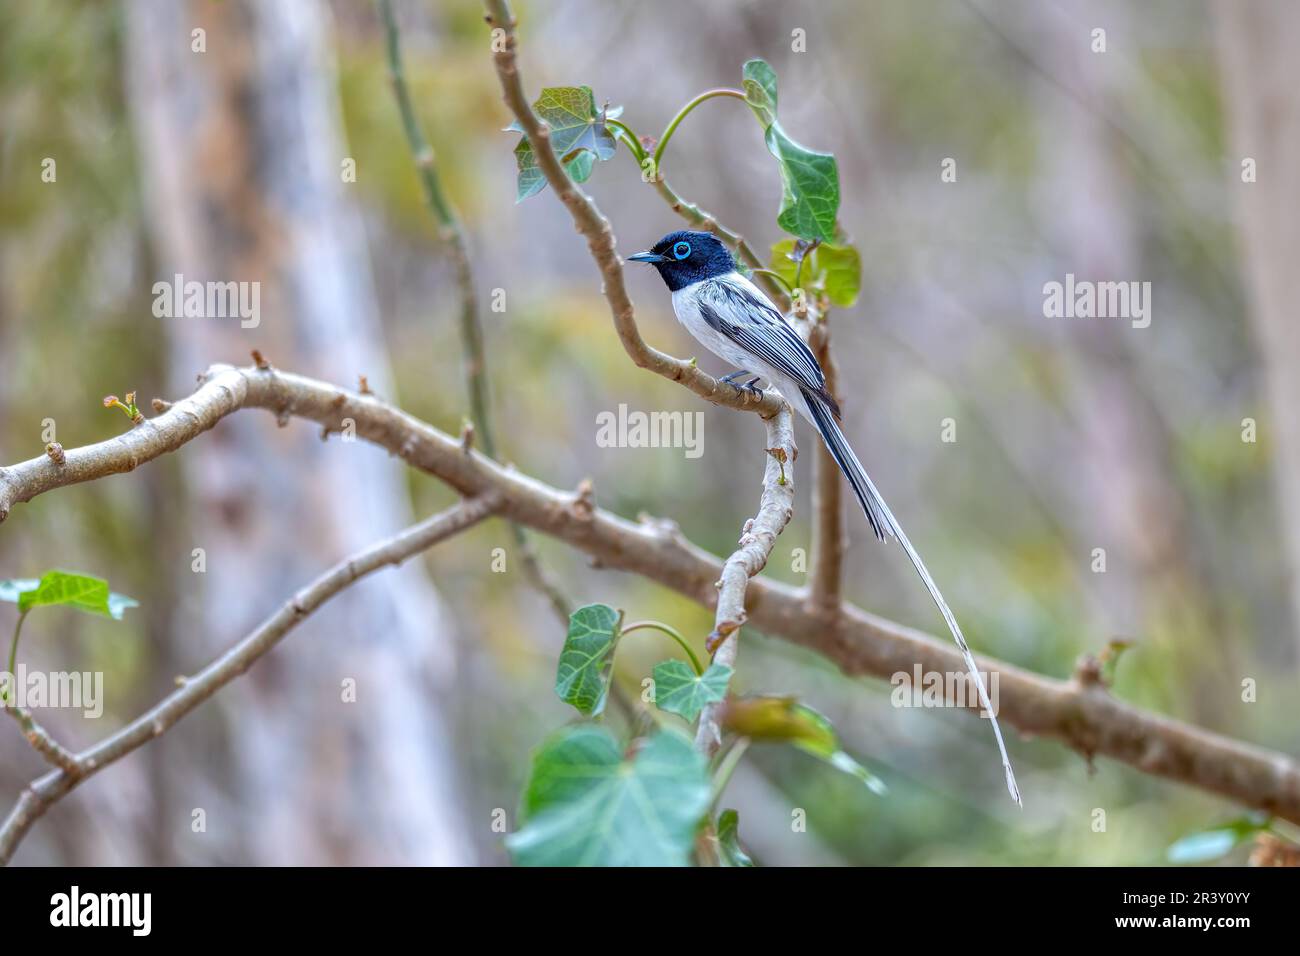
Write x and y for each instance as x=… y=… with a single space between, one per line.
x=729 y=840
x=785 y=719
x=581 y=678
x=679 y=690
x=832 y=269
x=579 y=136
x=1211 y=844
x=810 y=179
x=589 y=805
x=841 y=267
x=811 y=184
x=63 y=588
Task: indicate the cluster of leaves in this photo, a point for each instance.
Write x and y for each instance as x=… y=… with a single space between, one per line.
x=817 y=258
x=593 y=800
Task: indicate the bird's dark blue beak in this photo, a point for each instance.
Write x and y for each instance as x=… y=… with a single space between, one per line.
x=651 y=257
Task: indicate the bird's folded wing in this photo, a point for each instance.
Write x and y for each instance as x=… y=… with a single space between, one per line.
x=733 y=307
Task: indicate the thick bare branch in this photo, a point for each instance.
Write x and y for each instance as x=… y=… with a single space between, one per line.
x=756 y=542
x=1084 y=715
x=45 y=792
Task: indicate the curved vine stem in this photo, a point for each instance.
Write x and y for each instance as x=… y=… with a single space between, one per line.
x=13 y=649
x=671 y=632
x=629 y=137
x=683 y=113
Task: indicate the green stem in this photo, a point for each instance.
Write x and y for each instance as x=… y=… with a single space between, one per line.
x=13 y=650
x=630 y=138
x=798 y=272
x=671 y=632
x=682 y=114
x=726 y=767
x=450 y=231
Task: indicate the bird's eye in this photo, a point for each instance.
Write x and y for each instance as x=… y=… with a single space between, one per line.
x=681 y=250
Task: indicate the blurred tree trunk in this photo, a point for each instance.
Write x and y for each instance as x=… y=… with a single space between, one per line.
x=241 y=152
x=1261 y=80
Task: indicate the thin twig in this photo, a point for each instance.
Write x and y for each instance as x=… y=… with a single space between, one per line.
x=452 y=233
x=45 y=792
x=40 y=739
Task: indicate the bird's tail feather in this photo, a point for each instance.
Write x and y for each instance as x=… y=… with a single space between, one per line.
x=883 y=523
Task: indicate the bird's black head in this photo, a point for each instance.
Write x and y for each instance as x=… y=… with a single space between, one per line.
x=684 y=258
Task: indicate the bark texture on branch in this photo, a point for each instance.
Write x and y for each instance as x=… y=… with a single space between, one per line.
x=757 y=539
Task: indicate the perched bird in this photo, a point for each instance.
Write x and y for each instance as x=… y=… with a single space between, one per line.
x=735 y=321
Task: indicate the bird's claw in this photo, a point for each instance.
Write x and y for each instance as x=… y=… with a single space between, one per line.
x=730 y=379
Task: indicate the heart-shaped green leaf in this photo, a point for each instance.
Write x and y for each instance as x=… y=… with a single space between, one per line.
x=731 y=852
x=579 y=136
x=810 y=179
x=589 y=805
x=679 y=690
x=63 y=588
x=582 y=676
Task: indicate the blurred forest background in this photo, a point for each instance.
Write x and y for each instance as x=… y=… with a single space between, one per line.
x=1072 y=434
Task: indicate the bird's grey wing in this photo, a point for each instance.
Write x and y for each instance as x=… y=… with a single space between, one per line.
x=743 y=315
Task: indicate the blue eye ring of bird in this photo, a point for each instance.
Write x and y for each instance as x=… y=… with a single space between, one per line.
x=681 y=250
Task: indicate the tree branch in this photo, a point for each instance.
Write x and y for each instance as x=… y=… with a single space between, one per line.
x=49 y=789
x=40 y=739
x=1080 y=714
x=756 y=542
x=825 y=576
